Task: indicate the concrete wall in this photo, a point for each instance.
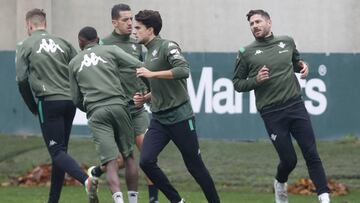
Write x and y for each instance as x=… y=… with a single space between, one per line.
x=201 y=25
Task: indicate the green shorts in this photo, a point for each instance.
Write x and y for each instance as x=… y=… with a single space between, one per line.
x=140 y=119
x=112 y=132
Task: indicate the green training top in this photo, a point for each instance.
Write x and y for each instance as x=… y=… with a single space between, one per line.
x=281 y=57
x=131 y=83
x=169 y=98
x=94 y=76
x=42 y=61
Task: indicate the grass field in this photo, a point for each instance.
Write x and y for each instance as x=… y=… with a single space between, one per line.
x=75 y=194
x=242 y=171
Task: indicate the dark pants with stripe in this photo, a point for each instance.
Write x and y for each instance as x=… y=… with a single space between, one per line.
x=56 y=119
x=184 y=136
x=293 y=119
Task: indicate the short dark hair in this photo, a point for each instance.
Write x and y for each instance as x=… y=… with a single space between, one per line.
x=36 y=16
x=88 y=33
x=259 y=12
x=116 y=10
x=150 y=18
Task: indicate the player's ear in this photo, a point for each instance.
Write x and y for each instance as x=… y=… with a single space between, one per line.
x=114 y=23
x=81 y=43
x=151 y=30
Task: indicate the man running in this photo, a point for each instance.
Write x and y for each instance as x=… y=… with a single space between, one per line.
x=42 y=67
x=122 y=20
x=268 y=66
x=97 y=90
x=172 y=114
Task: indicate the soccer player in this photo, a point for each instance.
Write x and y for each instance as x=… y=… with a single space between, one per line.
x=42 y=67
x=97 y=90
x=172 y=114
x=122 y=20
x=268 y=66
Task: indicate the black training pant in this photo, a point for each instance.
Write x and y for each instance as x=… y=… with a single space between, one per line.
x=56 y=119
x=293 y=119
x=183 y=134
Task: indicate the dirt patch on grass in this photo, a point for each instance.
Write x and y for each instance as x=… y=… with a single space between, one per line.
x=306 y=187
x=39 y=176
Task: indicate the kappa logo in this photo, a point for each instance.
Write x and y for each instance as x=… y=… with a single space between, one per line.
x=273 y=136
x=174 y=51
x=282 y=45
x=134 y=47
x=50 y=46
x=92 y=60
x=258 y=52
x=52 y=143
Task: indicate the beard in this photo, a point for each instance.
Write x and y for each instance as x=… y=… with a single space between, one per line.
x=263 y=34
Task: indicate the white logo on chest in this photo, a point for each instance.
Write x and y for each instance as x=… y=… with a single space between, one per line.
x=92 y=60
x=154 y=52
x=50 y=46
x=134 y=47
x=282 y=45
x=258 y=52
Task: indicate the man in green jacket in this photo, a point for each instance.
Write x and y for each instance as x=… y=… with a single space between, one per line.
x=97 y=90
x=42 y=67
x=121 y=36
x=172 y=114
x=268 y=66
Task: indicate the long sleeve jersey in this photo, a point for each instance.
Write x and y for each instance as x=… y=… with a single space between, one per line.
x=281 y=57
x=42 y=64
x=130 y=82
x=169 y=97
x=94 y=76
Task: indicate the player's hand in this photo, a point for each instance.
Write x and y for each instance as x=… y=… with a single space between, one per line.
x=263 y=74
x=139 y=99
x=304 y=69
x=144 y=72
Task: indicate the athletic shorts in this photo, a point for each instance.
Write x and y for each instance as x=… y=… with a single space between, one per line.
x=112 y=132
x=140 y=121
x=140 y=118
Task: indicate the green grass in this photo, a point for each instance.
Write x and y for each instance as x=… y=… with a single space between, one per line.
x=76 y=194
x=242 y=171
